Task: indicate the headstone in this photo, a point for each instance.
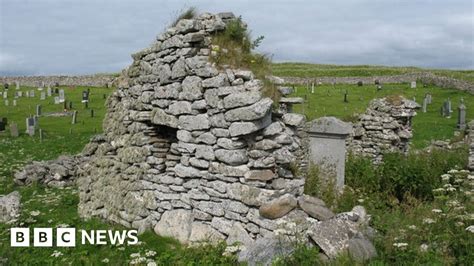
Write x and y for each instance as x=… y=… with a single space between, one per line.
x=377 y=82
x=327 y=148
x=74 y=118
x=56 y=100
x=5 y=86
x=312 y=87
x=462 y=116
x=41 y=135
x=413 y=85
x=27 y=94
x=70 y=105
x=32 y=93
x=17 y=85
x=446 y=109
x=38 y=110
x=450 y=109
x=43 y=96
x=425 y=103
x=360 y=83
x=5 y=94
x=345 y=97
x=7 y=103
x=2 y=124
x=92 y=112
x=14 y=130
x=30 y=126
x=49 y=91
x=85 y=96
x=430 y=98
x=61 y=96
x=20 y=94
x=14 y=102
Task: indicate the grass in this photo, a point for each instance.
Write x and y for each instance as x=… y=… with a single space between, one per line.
x=328 y=100
x=325 y=70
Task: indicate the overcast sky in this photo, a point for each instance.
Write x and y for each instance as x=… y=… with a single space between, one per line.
x=45 y=37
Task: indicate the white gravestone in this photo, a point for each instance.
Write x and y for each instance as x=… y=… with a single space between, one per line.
x=413 y=85
x=43 y=96
x=61 y=96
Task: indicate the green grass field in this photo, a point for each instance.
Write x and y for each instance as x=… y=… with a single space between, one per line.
x=324 y=70
x=328 y=100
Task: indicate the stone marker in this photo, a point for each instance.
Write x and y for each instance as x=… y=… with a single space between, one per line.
x=345 y=97
x=43 y=96
x=360 y=83
x=5 y=94
x=32 y=93
x=5 y=86
x=446 y=108
x=30 y=126
x=74 y=118
x=61 y=96
x=312 y=87
x=450 y=109
x=27 y=94
x=38 y=110
x=413 y=85
x=56 y=100
x=2 y=124
x=14 y=130
x=7 y=103
x=327 y=147
x=17 y=85
x=85 y=96
x=92 y=112
x=462 y=116
x=425 y=103
x=49 y=91
x=20 y=94
x=14 y=102
x=430 y=98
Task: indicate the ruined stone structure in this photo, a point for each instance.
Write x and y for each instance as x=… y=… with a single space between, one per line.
x=385 y=127
x=190 y=149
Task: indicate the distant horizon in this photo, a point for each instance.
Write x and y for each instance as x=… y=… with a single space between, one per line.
x=71 y=37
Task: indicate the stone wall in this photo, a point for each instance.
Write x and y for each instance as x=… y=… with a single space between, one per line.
x=36 y=81
x=470 y=136
x=424 y=77
x=190 y=149
x=385 y=127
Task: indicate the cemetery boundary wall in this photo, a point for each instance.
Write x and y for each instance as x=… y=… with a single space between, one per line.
x=86 y=80
x=425 y=77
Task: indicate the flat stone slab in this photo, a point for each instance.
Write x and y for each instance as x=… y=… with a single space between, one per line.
x=292 y=100
x=330 y=125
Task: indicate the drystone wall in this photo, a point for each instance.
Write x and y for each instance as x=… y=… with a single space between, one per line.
x=385 y=127
x=470 y=136
x=40 y=81
x=189 y=149
x=424 y=77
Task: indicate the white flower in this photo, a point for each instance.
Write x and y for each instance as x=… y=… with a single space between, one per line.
x=150 y=253
x=436 y=210
x=428 y=221
x=360 y=200
x=445 y=177
x=470 y=177
x=121 y=248
x=450 y=189
x=452 y=203
x=412 y=227
x=134 y=255
x=105 y=260
x=56 y=254
x=438 y=189
x=453 y=171
x=151 y=263
x=470 y=228
x=63 y=225
x=423 y=247
x=400 y=245
x=35 y=213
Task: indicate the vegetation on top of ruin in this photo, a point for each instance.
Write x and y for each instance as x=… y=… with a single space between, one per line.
x=188 y=13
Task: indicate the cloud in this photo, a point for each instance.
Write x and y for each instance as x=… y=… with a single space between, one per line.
x=89 y=36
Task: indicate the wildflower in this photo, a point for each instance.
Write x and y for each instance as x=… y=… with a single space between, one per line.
x=412 y=227
x=428 y=221
x=50 y=221
x=135 y=255
x=453 y=171
x=35 y=213
x=230 y=250
x=459 y=224
x=63 y=225
x=121 y=248
x=452 y=203
x=106 y=260
x=470 y=228
x=445 y=177
x=56 y=254
x=423 y=247
x=400 y=245
x=360 y=200
x=150 y=253
x=451 y=189
x=436 y=210
x=470 y=177
x=151 y=263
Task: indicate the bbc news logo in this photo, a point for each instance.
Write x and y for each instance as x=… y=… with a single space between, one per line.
x=66 y=237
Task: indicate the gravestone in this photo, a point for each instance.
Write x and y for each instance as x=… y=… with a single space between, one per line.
x=360 y=83
x=14 y=130
x=446 y=109
x=462 y=116
x=92 y=112
x=85 y=96
x=376 y=82
x=74 y=118
x=49 y=91
x=345 y=97
x=5 y=94
x=7 y=103
x=17 y=85
x=3 y=124
x=425 y=103
x=27 y=94
x=20 y=94
x=61 y=96
x=327 y=148
x=38 y=110
x=43 y=96
x=450 y=109
x=5 y=86
x=56 y=100
x=413 y=85
x=32 y=93
x=30 y=126
x=312 y=87
x=14 y=102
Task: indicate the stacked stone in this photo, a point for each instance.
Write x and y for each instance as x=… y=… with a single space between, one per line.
x=190 y=149
x=471 y=145
x=385 y=127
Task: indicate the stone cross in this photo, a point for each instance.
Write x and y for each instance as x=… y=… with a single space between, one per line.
x=327 y=148
x=462 y=116
x=413 y=85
